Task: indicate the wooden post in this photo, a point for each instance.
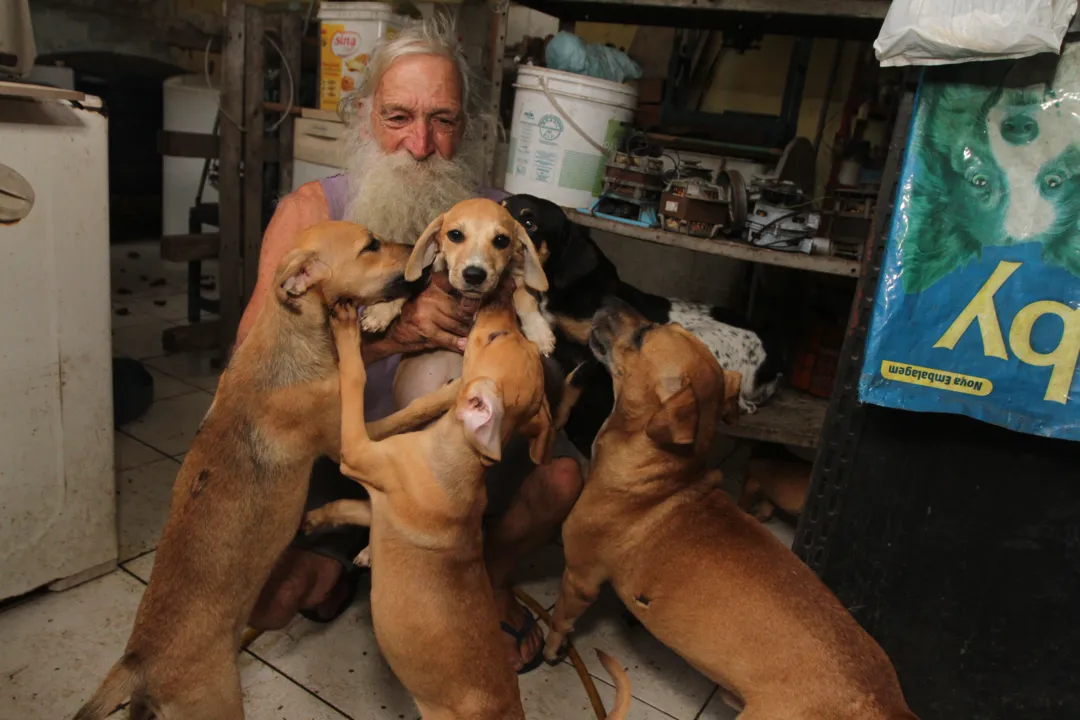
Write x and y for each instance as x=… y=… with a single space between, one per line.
x=229 y=194
x=292 y=27
x=254 y=83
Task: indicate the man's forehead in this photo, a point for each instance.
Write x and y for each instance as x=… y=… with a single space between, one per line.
x=420 y=81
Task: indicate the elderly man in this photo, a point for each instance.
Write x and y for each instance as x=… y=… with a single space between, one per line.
x=415 y=148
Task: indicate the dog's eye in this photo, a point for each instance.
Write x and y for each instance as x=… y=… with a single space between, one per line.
x=1052 y=181
x=501 y=242
x=372 y=246
x=455 y=236
x=528 y=224
x=979 y=180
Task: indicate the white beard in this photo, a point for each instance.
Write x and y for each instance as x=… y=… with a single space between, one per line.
x=396 y=196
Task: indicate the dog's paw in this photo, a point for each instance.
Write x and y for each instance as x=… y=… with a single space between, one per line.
x=555 y=647
x=343 y=316
x=378 y=317
x=312 y=521
x=363 y=558
x=537 y=331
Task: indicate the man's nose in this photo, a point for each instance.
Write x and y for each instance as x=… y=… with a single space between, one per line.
x=419 y=142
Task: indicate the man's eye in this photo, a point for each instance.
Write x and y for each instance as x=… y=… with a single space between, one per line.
x=397 y=120
x=447 y=123
x=501 y=242
x=455 y=236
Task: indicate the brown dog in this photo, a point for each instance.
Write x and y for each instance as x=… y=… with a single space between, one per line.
x=702 y=576
x=477 y=242
x=240 y=491
x=427 y=501
x=775 y=483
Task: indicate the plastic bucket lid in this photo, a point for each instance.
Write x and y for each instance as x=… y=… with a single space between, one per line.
x=570 y=84
x=357 y=11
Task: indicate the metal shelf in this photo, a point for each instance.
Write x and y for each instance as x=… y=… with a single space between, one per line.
x=790 y=417
x=818 y=18
x=720 y=246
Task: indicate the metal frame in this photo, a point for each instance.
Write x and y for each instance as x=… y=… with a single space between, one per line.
x=844 y=417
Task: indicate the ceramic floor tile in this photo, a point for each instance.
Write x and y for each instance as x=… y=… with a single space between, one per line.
x=140 y=341
x=269 y=695
x=167 y=386
x=141 y=566
x=339 y=662
x=58 y=647
x=556 y=693
x=718 y=710
x=169 y=425
x=170 y=307
x=126 y=314
x=144 y=495
x=130 y=453
x=540 y=574
x=192 y=368
x=659 y=676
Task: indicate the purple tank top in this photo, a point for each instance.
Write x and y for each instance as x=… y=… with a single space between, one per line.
x=379 y=390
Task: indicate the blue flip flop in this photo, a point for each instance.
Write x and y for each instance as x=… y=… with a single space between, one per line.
x=521 y=634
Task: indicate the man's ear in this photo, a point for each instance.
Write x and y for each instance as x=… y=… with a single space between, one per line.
x=676 y=422
x=541 y=433
x=480 y=410
x=300 y=271
x=578 y=259
x=729 y=405
x=425 y=250
x=535 y=277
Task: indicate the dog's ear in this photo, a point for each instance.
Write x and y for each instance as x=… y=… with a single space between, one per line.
x=300 y=271
x=573 y=387
x=541 y=433
x=676 y=422
x=729 y=404
x=481 y=412
x=578 y=259
x=535 y=277
x=425 y=250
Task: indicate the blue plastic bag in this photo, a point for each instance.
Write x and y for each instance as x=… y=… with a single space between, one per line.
x=570 y=53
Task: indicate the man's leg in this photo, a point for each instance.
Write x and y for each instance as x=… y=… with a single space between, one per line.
x=309 y=575
x=531 y=519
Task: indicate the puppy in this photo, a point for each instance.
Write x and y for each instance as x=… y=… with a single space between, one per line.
x=427 y=500
x=477 y=242
x=702 y=576
x=773 y=483
x=580 y=278
x=240 y=492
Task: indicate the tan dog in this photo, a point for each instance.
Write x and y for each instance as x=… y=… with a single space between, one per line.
x=703 y=577
x=775 y=483
x=241 y=489
x=477 y=242
x=427 y=501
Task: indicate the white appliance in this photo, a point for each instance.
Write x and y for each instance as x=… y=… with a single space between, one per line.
x=57 y=488
x=17 y=49
x=318 y=146
x=189 y=106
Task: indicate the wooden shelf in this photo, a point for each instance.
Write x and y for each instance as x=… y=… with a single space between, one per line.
x=720 y=246
x=790 y=417
x=812 y=18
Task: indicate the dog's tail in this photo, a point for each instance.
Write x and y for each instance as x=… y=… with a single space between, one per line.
x=121 y=683
x=621 y=707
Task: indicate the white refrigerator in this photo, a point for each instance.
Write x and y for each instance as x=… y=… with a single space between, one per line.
x=57 y=487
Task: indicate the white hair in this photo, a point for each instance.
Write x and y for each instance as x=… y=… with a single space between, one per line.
x=435 y=183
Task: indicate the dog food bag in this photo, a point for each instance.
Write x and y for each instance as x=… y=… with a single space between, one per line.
x=978 y=308
x=349 y=32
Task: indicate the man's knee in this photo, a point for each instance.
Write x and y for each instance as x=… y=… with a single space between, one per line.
x=563 y=486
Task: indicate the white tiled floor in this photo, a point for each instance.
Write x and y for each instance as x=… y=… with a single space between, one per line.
x=57 y=647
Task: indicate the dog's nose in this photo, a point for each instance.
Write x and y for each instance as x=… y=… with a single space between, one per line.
x=474 y=275
x=1019 y=129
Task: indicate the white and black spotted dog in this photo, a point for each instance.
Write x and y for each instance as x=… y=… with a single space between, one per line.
x=581 y=277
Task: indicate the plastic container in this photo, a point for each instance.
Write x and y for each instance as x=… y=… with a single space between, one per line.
x=563 y=126
x=349 y=32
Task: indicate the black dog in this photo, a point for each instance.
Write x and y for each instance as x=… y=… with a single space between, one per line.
x=581 y=277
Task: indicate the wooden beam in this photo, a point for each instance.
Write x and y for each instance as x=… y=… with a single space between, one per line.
x=174 y=143
x=292 y=27
x=190 y=248
x=254 y=116
x=229 y=189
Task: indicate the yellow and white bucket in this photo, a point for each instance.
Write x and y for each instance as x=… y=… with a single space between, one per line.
x=349 y=33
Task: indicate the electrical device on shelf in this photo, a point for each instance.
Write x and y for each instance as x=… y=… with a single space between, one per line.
x=632 y=188
x=693 y=204
x=784 y=219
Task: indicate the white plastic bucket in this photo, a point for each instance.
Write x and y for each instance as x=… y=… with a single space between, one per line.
x=563 y=124
x=349 y=32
